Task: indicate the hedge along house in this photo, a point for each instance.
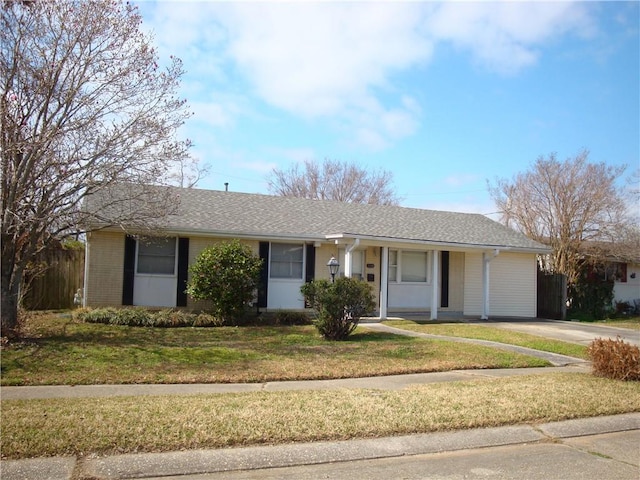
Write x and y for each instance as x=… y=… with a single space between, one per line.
x=419 y=261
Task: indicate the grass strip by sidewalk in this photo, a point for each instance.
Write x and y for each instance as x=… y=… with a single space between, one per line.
x=494 y=334
x=60 y=351
x=34 y=428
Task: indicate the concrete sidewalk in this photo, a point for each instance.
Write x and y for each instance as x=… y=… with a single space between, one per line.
x=600 y=447
x=389 y=382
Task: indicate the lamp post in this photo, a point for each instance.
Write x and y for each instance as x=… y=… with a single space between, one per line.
x=333 y=268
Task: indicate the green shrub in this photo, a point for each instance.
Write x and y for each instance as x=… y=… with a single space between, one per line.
x=614 y=359
x=206 y=320
x=140 y=317
x=227 y=274
x=591 y=295
x=339 y=305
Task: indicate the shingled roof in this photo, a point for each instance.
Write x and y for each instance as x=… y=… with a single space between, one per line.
x=263 y=216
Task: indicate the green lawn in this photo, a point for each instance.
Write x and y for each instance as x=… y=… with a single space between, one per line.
x=59 y=350
x=494 y=334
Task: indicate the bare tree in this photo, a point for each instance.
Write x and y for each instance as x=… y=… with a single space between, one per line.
x=84 y=106
x=334 y=180
x=563 y=205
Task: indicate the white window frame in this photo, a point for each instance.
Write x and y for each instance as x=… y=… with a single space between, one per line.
x=398 y=253
x=156 y=239
x=302 y=262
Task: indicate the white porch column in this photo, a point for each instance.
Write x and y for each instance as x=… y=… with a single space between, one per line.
x=485 y=286
x=434 y=286
x=384 y=282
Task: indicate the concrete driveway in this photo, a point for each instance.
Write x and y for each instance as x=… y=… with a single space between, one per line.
x=576 y=332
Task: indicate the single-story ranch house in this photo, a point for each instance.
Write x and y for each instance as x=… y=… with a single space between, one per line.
x=415 y=260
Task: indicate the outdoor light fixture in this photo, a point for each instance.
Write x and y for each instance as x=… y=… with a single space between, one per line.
x=333 y=268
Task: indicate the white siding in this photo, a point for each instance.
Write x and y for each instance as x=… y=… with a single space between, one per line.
x=473 y=284
x=513 y=289
x=630 y=290
x=412 y=295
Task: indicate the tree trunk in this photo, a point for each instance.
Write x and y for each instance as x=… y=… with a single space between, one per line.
x=10 y=286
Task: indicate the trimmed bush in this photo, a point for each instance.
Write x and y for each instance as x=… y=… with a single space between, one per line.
x=339 y=305
x=615 y=359
x=227 y=274
x=140 y=317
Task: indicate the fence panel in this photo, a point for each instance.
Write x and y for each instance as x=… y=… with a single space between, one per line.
x=55 y=288
x=552 y=296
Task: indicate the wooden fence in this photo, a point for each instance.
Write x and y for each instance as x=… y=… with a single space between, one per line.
x=56 y=287
x=552 y=296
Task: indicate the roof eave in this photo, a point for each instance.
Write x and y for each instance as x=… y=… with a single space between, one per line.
x=390 y=241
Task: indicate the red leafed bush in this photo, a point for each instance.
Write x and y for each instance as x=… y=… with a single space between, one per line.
x=615 y=359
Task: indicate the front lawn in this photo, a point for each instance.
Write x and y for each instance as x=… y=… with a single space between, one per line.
x=83 y=426
x=59 y=350
x=482 y=332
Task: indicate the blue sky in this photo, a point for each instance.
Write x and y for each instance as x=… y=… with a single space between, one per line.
x=444 y=95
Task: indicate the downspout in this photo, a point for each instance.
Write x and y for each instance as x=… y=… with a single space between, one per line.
x=434 y=286
x=486 y=259
x=85 y=280
x=348 y=267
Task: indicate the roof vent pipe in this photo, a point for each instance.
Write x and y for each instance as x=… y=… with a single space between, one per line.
x=226 y=186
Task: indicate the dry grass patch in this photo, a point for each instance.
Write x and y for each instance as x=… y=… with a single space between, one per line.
x=149 y=424
x=494 y=334
x=632 y=323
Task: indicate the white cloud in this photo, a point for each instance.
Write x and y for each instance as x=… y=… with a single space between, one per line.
x=340 y=62
x=320 y=58
x=507 y=36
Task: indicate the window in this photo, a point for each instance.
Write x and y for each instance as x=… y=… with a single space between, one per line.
x=617 y=271
x=414 y=266
x=157 y=256
x=286 y=260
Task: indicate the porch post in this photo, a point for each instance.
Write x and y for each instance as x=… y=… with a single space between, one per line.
x=485 y=286
x=434 y=286
x=384 y=282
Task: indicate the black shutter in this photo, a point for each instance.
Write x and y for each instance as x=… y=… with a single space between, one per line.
x=129 y=269
x=264 y=274
x=310 y=269
x=444 y=288
x=183 y=269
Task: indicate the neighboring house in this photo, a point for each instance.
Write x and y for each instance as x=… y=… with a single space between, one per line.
x=621 y=263
x=626 y=286
x=415 y=260
x=626 y=279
